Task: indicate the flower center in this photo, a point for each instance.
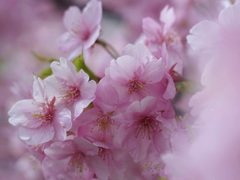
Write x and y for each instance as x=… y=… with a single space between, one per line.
x=76 y=162
x=172 y=38
x=103 y=121
x=135 y=86
x=71 y=94
x=152 y=167
x=147 y=126
x=47 y=114
x=103 y=153
x=85 y=35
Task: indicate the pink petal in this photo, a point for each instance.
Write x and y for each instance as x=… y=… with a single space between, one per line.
x=227 y=17
x=79 y=106
x=85 y=146
x=39 y=90
x=145 y=106
x=60 y=150
x=93 y=36
x=54 y=169
x=152 y=29
x=38 y=135
x=64 y=70
x=148 y=104
x=76 y=52
x=73 y=19
x=198 y=40
x=52 y=88
x=138 y=51
x=153 y=70
x=167 y=16
x=88 y=88
x=62 y=123
x=99 y=167
x=92 y=14
x=68 y=42
x=122 y=70
x=20 y=113
x=170 y=91
x=104 y=91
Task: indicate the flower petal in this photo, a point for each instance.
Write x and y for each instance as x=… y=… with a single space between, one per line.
x=73 y=19
x=38 y=135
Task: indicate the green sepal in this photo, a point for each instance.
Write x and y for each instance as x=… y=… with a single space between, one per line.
x=80 y=64
x=45 y=73
x=162 y=178
x=188 y=87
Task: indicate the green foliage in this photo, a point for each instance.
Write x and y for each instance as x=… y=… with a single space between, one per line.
x=80 y=64
x=188 y=87
x=45 y=73
x=162 y=178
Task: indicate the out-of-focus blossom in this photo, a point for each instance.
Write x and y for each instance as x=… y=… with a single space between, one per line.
x=213 y=152
x=75 y=159
x=83 y=28
x=163 y=33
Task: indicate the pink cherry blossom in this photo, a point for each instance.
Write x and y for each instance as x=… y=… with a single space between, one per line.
x=72 y=89
x=118 y=161
x=143 y=129
x=39 y=120
x=153 y=167
x=83 y=28
x=74 y=159
x=138 y=74
x=98 y=122
x=163 y=33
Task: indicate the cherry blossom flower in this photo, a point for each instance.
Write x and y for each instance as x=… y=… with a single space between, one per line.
x=83 y=28
x=72 y=89
x=39 y=120
x=142 y=126
x=138 y=74
x=118 y=162
x=98 y=122
x=74 y=159
x=158 y=35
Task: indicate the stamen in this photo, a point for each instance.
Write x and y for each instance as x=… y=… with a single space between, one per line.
x=147 y=126
x=103 y=121
x=71 y=94
x=102 y=152
x=152 y=167
x=105 y=154
x=135 y=86
x=47 y=113
x=76 y=162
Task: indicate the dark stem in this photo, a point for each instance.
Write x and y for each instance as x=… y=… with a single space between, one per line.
x=110 y=49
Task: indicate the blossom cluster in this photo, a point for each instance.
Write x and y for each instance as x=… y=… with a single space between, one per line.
x=113 y=129
x=119 y=119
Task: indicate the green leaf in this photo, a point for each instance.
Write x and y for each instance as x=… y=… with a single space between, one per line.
x=80 y=64
x=162 y=178
x=45 y=73
x=188 y=87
